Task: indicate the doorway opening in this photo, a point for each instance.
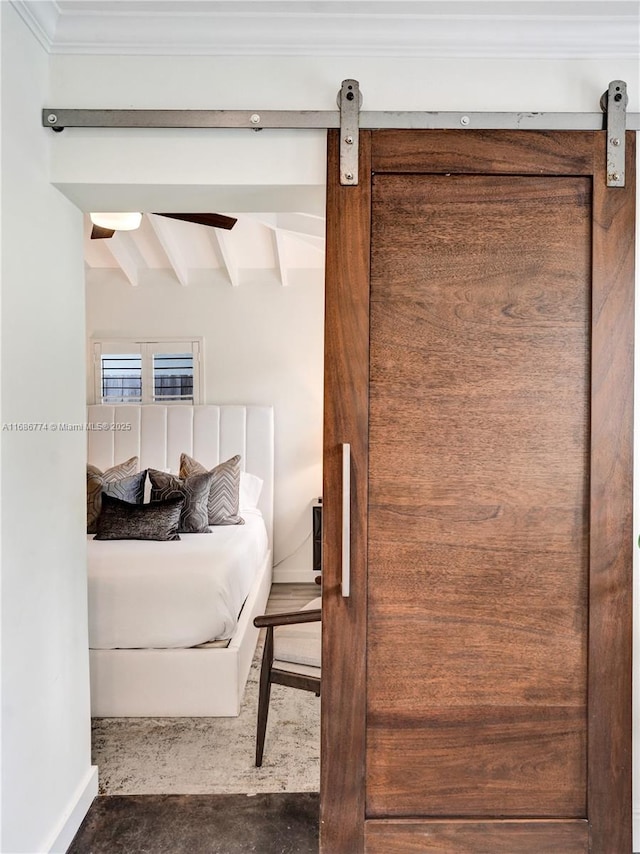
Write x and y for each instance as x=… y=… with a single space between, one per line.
x=254 y=300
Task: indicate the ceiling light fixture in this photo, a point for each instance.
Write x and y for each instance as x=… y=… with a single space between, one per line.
x=117 y=221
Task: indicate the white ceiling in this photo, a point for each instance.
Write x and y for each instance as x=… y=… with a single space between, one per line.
x=282 y=245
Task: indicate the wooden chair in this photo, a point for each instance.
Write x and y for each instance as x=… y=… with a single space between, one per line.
x=291 y=657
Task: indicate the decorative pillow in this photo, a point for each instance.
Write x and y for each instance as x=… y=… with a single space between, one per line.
x=250 y=490
x=224 y=495
x=194 y=518
x=120 y=520
x=96 y=482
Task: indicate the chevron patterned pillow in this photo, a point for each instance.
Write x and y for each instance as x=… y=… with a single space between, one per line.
x=224 y=495
x=120 y=481
x=194 y=518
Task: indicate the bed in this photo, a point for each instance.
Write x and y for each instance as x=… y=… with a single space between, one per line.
x=159 y=646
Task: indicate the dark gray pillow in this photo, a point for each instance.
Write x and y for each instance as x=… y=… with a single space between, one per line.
x=120 y=520
x=224 y=495
x=120 y=481
x=194 y=518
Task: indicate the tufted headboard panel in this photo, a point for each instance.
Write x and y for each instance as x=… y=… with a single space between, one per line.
x=211 y=434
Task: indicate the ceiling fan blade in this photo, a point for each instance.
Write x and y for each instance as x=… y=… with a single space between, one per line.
x=99 y=233
x=212 y=219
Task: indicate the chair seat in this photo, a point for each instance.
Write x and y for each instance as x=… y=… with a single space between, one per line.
x=302 y=669
x=299 y=644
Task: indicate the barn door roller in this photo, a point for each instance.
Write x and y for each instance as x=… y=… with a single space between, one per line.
x=349 y=101
x=349 y=118
x=614 y=103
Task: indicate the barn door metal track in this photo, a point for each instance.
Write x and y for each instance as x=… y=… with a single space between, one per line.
x=350 y=118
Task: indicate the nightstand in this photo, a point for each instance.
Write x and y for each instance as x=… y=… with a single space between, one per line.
x=316 y=510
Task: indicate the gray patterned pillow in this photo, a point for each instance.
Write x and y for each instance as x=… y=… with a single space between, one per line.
x=194 y=518
x=224 y=495
x=97 y=481
x=120 y=520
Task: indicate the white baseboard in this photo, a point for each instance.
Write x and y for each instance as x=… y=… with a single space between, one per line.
x=286 y=575
x=636 y=828
x=74 y=814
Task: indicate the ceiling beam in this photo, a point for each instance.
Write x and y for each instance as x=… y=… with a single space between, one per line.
x=280 y=252
x=171 y=245
x=223 y=248
x=122 y=249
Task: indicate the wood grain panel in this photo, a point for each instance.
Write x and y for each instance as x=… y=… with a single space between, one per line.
x=479 y=151
x=611 y=502
x=476 y=837
x=503 y=573
x=520 y=761
x=421 y=328
x=478 y=707
x=510 y=527
x=470 y=659
x=506 y=457
x=345 y=420
x=494 y=302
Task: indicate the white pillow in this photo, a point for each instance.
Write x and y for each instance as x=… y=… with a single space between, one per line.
x=250 y=489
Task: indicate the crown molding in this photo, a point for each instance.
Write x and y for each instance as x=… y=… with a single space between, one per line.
x=414 y=28
x=41 y=16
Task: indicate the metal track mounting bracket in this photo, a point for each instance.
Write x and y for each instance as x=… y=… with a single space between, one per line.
x=349 y=118
x=614 y=103
x=349 y=102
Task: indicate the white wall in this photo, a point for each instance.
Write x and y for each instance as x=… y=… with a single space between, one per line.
x=263 y=343
x=100 y=168
x=46 y=773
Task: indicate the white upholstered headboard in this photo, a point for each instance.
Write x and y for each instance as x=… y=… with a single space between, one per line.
x=211 y=434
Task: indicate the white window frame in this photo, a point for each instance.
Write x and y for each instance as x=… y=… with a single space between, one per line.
x=147 y=348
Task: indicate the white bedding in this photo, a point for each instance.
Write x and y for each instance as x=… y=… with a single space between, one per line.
x=172 y=594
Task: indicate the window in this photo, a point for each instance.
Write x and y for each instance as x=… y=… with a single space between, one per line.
x=173 y=377
x=120 y=378
x=163 y=371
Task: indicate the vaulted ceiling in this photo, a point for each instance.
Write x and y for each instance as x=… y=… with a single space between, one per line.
x=264 y=246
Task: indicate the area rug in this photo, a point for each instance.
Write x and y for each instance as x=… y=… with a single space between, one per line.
x=194 y=756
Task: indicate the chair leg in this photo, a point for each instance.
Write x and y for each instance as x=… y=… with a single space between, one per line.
x=265 y=693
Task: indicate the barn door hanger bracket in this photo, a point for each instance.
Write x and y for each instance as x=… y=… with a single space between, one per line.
x=349 y=102
x=614 y=103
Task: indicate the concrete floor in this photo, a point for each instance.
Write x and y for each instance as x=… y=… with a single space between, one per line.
x=279 y=823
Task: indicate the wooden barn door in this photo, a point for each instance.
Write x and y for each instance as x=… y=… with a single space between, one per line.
x=479 y=315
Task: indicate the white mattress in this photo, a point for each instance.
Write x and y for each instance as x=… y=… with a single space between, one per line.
x=147 y=594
